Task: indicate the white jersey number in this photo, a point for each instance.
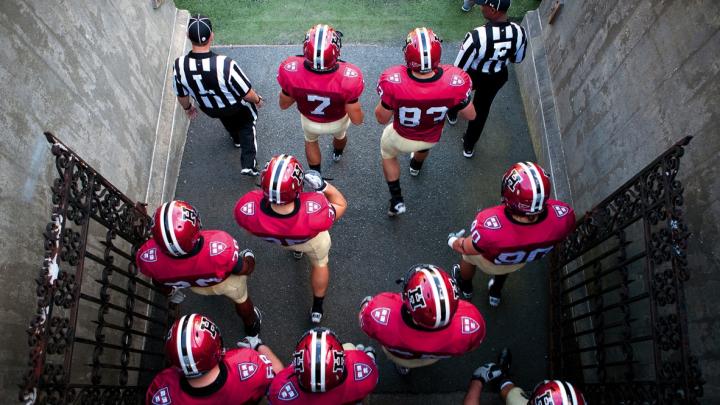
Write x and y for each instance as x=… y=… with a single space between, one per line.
x=410 y=116
x=522 y=256
x=324 y=103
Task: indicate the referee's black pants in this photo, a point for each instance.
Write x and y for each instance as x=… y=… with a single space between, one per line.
x=486 y=87
x=240 y=123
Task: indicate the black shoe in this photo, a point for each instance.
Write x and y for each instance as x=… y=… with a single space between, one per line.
x=336 y=155
x=452 y=118
x=465 y=287
x=397 y=207
x=250 y=171
x=505 y=360
x=403 y=371
x=297 y=255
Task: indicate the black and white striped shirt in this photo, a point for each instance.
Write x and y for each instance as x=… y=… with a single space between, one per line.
x=216 y=82
x=489 y=49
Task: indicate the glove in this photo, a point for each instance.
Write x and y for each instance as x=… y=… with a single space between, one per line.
x=489 y=373
x=250 y=342
x=453 y=236
x=365 y=301
x=177 y=296
x=314 y=179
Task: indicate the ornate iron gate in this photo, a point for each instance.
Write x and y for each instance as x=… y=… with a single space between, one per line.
x=98 y=331
x=617 y=302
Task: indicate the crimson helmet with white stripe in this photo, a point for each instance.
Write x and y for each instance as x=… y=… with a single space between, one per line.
x=322 y=47
x=319 y=361
x=422 y=50
x=525 y=188
x=430 y=296
x=176 y=227
x=556 y=392
x=194 y=345
x=282 y=179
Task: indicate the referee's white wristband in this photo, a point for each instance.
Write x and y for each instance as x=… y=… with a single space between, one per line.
x=451 y=241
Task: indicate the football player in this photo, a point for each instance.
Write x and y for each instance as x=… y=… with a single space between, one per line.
x=283 y=214
x=418 y=96
x=504 y=238
x=326 y=89
x=497 y=378
x=425 y=323
x=325 y=372
x=180 y=254
x=203 y=372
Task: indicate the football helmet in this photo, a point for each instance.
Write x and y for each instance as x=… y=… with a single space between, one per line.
x=525 y=188
x=319 y=361
x=322 y=47
x=556 y=392
x=194 y=345
x=430 y=296
x=176 y=227
x=422 y=50
x=282 y=179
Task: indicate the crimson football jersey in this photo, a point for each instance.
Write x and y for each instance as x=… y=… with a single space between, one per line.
x=211 y=265
x=362 y=377
x=320 y=96
x=245 y=376
x=503 y=240
x=382 y=320
x=312 y=215
x=420 y=105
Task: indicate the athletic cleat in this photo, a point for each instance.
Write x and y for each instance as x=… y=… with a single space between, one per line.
x=396 y=209
x=237 y=145
x=414 y=172
x=250 y=171
x=452 y=119
x=468 y=153
x=298 y=255
x=336 y=156
x=465 y=10
x=316 y=317
x=403 y=371
x=493 y=300
x=465 y=287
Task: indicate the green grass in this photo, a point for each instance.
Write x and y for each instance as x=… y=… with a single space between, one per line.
x=369 y=21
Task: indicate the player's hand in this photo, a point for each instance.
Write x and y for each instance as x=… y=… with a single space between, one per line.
x=490 y=374
x=365 y=302
x=250 y=342
x=314 y=179
x=177 y=296
x=453 y=236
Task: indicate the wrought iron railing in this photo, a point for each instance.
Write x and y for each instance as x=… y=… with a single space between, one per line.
x=618 y=311
x=98 y=330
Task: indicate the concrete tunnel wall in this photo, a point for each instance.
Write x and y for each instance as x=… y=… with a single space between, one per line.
x=94 y=74
x=608 y=87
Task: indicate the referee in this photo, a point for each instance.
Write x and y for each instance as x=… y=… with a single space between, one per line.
x=220 y=89
x=485 y=54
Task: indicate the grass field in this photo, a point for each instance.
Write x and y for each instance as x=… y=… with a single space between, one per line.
x=368 y=21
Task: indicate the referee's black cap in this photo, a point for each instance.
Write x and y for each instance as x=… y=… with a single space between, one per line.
x=500 y=5
x=199 y=29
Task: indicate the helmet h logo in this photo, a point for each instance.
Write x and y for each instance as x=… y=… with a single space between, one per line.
x=544 y=399
x=291 y=67
x=381 y=315
x=560 y=211
x=149 y=255
x=299 y=361
x=162 y=397
x=287 y=392
x=469 y=325
x=416 y=299
x=216 y=248
x=247 y=370
x=248 y=209
x=189 y=215
x=457 y=81
x=338 y=361
x=513 y=180
x=362 y=371
x=207 y=325
x=492 y=223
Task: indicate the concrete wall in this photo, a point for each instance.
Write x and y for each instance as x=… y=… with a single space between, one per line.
x=609 y=86
x=93 y=73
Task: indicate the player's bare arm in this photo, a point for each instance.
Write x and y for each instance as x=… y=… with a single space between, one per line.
x=337 y=200
x=277 y=365
x=355 y=112
x=465 y=246
x=382 y=114
x=468 y=112
x=285 y=101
